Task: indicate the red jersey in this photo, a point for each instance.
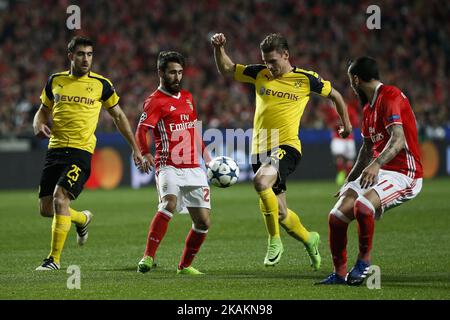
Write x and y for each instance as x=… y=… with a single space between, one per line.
x=390 y=106
x=172 y=119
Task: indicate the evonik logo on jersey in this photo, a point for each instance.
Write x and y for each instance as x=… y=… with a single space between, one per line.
x=278 y=94
x=76 y=99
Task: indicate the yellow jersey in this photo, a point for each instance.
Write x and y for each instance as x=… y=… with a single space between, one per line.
x=75 y=104
x=280 y=103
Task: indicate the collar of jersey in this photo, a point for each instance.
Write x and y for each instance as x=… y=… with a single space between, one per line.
x=82 y=77
x=169 y=94
x=375 y=95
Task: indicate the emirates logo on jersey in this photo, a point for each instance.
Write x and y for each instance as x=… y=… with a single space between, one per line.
x=190 y=104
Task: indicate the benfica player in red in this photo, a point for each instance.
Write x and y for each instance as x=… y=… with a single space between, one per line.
x=387 y=172
x=343 y=150
x=170 y=113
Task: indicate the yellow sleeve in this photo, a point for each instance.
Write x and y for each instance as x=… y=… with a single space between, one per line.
x=317 y=84
x=247 y=73
x=47 y=94
x=109 y=96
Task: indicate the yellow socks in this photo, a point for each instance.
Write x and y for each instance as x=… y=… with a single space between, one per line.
x=294 y=227
x=269 y=208
x=60 y=229
x=77 y=217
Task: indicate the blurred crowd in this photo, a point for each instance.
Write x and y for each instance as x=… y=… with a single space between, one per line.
x=412 y=47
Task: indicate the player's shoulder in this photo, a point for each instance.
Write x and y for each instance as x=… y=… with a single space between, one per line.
x=153 y=98
x=58 y=74
x=253 y=70
x=390 y=93
x=390 y=90
x=301 y=71
x=97 y=76
x=186 y=94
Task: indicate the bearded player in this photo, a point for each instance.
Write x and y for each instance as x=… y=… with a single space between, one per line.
x=170 y=113
x=387 y=172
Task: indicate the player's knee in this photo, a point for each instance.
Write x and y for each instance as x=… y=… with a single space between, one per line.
x=260 y=183
x=46 y=209
x=363 y=207
x=281 y=214
x=168 y=205
x=60 y=202
x=202 y=226
x=337 y=216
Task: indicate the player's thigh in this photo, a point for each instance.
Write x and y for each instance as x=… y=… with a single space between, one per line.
x=53 y=169
x=76 y=172
x=198 y=202
x=394 y=189
x=46 y=206
x=167 y=184
x=286 y=160
x=346 y=203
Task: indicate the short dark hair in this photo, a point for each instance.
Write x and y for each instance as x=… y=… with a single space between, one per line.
x=79 y=41
x=165 y=57
x=274 y=41
x=364 y=67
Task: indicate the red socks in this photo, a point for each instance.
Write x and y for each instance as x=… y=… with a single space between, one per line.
x=194 y=241
x=364 y=214
x=338 y=243
x=158 y=229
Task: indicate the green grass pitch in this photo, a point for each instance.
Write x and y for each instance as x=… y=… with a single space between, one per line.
x=411 y=246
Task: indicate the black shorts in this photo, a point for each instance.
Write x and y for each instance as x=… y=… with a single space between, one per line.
x=284 y=158
x=66 y=167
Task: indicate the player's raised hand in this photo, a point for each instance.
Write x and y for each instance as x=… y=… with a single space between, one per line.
x=218 y=40
x=345 y=131
x=42 y=131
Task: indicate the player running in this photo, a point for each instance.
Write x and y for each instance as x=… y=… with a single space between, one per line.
x=73 y=100
x=282 y=92
x=387 y=172
x=170 y=113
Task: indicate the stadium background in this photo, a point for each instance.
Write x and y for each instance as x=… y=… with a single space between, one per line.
x=412 y=48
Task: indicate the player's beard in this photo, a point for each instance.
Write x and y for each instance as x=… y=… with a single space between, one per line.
x=81 y=70
x=173 y=87
x=362 y=97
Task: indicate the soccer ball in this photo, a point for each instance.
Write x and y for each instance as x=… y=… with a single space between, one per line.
x=222 y=172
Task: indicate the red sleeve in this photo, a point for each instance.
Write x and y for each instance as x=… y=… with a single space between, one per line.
x=392 y=105
x=151 y=114
x=141 y=139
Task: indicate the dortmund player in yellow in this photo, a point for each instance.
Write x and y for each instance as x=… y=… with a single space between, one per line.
x=73 y=100
x=282 y=92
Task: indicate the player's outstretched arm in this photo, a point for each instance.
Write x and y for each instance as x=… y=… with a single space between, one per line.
x=41 y=118
x=223 y=62
x=341 y=109
x=122 y=124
